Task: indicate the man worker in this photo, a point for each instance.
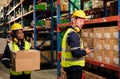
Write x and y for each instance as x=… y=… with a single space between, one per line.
x=73 y=52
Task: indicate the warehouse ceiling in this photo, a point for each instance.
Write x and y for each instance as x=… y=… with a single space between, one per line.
x=3 y=3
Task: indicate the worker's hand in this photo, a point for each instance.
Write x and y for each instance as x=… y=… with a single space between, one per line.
x=87 y=51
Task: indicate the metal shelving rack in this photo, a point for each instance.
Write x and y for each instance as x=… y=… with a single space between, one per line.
x=51 y=31
x=90 y=22
x=34 y=13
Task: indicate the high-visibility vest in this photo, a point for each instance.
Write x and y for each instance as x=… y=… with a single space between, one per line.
x=14 y=47
x=67 y=59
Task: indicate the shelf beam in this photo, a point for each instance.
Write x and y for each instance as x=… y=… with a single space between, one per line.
x=102 y=20
x=102 y=64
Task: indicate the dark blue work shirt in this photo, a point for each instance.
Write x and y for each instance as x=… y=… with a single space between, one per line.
x=73 y=41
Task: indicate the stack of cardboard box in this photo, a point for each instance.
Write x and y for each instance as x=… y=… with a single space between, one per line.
x=89 y=75
x=88 y=37
x=106 y=42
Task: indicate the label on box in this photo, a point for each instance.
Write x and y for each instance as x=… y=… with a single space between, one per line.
x=98 y=35
x=107 y=59
x=107 y=47
x=116 y=47
x=107 y=35
x=92 y=55
x=116 y=61
x=99 y=58
x=91 y=35
x=99 y=47
x=85 y=44
x=115 y=34
x=85 y=34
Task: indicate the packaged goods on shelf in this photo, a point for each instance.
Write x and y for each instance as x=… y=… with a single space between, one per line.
x=111 y=34
x=110 y=44
x=27 y=22
x=114 y=8
x=64 y=6
x=40 y=23
x=48 y=55
x=41 y=6
x=77 y=4
x=87 y=5
x=98 y=55
x=25 y=9
x=98 y=43
x=64 y=21
x=98 y=33
x=48 y=23
x=107 y=57
x=97 y=3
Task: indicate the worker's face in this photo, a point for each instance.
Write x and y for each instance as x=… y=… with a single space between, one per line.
x=80 y=22
x=20 y=34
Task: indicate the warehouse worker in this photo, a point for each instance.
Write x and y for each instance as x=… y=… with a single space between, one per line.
x=18 y=43
x=72 y=58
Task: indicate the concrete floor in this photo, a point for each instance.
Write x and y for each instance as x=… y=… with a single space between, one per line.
x=42 y=74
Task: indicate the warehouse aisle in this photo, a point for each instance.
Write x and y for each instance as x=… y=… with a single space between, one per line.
x=42 y=74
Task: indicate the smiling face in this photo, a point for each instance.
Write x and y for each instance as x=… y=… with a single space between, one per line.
x=79 y=22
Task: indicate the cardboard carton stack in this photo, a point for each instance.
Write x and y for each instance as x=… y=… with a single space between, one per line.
x=88 y=37
x=106 y=42
x=64 y=5
x=89 y=75
x=98 y=43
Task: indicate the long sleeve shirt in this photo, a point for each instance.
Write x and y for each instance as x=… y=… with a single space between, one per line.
x=73 y=41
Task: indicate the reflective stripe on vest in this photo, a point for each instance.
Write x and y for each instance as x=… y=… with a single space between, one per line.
x=14 y=47
x=67 y=59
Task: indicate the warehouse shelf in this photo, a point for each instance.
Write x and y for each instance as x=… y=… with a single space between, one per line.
x=95 y=21
x=102 y=20
x=102 y=64
x=14 y=8
x=30 y=12
x=1 y=25
x=19 y=17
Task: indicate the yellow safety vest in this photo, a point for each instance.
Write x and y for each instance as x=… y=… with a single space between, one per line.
x=67 y=59
x=14 y=47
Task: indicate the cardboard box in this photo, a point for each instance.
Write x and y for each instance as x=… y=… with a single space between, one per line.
x=98 y=43
x=25 y=60
x=89 y=75
x=114 y=31
x=97 y=3
x=63 y=74
x=111 y=34
x=108 y=57
x=88 y=33
x=88 y=42
x=115 y=58
x=98 y=55
x=98 y=33
x=107 y=32
x=110 y=44
x=47 y=54
x=85 y=33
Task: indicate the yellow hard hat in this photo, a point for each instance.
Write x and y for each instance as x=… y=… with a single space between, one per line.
x=16 y=26
x=79 y=13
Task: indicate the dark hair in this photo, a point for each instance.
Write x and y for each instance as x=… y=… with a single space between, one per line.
x=14 y=33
